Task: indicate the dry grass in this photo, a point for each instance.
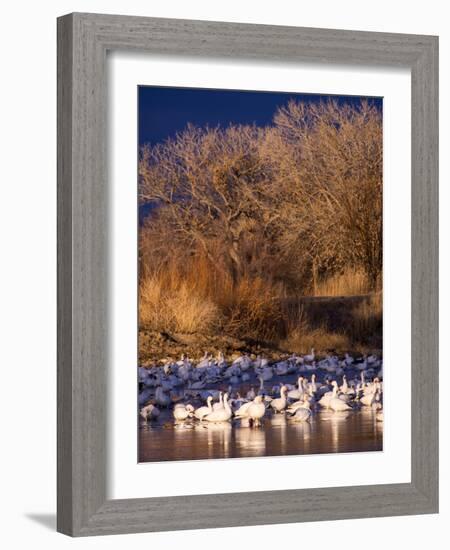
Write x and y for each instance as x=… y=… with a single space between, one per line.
x=349 y=283
x=301 y=336
x=193 y=297
x=301 y=341
x=333 y=323
x=252 y=309
x=175 y=308
x=368 y=317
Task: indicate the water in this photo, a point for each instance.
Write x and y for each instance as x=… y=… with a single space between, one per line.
x=327 y=432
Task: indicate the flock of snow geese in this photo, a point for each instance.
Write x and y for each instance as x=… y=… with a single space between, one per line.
x=194 y=392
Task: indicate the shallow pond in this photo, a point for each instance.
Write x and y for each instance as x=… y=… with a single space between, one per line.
x=327 y=432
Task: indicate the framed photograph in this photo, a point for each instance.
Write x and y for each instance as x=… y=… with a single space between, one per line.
x=247 y=274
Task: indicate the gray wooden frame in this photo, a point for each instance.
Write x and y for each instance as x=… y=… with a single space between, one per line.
x=83 y=40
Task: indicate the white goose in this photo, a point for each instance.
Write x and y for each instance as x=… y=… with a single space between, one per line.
x=296 y=405
x=302 y=414
x=220 y=415
x=336 y=404
x=242 y=412
x=203 y=411
x=182 y=412
x=256 y=410
x=324 y=401
x=279 y=404
x=298 y=393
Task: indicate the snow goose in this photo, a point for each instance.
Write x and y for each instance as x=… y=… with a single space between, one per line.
x=296 y=405
x=220 y=415
x=279 y=404
x=336 y=404
x=298 y=393
x=203 y=411
x=326 y=397
x=182 y=412
x=242 y=412
x=302 y=414
x=256 y=410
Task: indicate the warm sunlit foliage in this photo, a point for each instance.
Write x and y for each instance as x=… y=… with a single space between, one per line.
x=245 y=218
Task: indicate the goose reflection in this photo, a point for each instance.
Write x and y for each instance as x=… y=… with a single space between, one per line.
x=337 y=422
x=301 y=431
x=218 y=437
x=279 y=422
x=252 y=441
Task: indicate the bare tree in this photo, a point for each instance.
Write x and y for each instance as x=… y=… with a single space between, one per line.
x=328 y=158
x=288 y=203
x=210 y=187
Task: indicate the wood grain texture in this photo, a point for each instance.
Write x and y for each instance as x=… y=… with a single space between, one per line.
x=83 y=198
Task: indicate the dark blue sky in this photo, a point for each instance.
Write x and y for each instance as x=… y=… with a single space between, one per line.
x=163 y=111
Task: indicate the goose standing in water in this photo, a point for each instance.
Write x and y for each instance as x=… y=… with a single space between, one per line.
x=182 y=412
x=242 y=412
x=220 y=415
x=324 y=401
x=302 y=413
x=279 y=404
x=256 y=410
x=370 y=393
x=298 y=393
x=336 y=404
x=203 y=411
